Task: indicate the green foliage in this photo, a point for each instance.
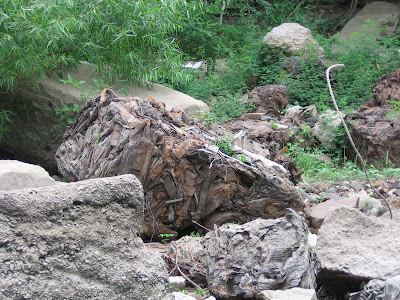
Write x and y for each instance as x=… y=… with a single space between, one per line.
x=25 y=108
x=195 y=234
x=340 y=141
x=224 y=144
x=5 y=120
x=75 y=83
x=367 y=57
x=204 y=37
x=67 y=113
x=273 y=124
x=166 y=237
x=317 y=170
x=226 y=109
x=305 y=158
x=202 y=292
x=395 y=107
x=238 y=41
x=93 y=90
x=133 y=39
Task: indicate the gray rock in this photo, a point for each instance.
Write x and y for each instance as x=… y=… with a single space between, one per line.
x=181 y=296
x=312 y=240
x=299 y=113
x=16 y=175
x=294 y=112
x=332 y=196
x=292 y=38
x=77 y=241
x=370 y=205
x=177 y=282
x=324 y=129
x=366 y=200
x=331 y=190
x=317 y=213
x=353 y=247
x=392 y=288
x=293 y=293
x=396 y=184
x=260 y=255
x=375 y=289
x=379 y=289
x=37 y=130
x=357 y=185
x=378 y=11
x=190 y=253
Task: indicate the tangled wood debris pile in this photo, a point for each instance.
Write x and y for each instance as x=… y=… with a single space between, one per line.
x=184 y=175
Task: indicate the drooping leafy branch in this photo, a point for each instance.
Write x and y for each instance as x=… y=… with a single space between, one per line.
x=133 y=39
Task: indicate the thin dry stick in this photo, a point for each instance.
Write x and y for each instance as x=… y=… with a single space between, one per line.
x=183 y=274
x=350 y=138
x=297 y=6
x=353 y=6
x=201 y=225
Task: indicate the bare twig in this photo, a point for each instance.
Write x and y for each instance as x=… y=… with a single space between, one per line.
x=201 y=225
x=183 y=274
x=297 y=6
x=221 y=15
x=350 y=138
x=353 y=6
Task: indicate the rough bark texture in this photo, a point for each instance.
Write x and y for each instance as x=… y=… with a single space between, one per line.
x=188 y=255
x=77 y=241
x=271 y=98
x=377 y=136
x=379 y=289
x=270 y=140
x=239 y=261
x=376 y=131
x=387 y=88
x=244 y=260
x=183 y=179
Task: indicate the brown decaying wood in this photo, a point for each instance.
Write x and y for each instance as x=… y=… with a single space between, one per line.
x=168 y=152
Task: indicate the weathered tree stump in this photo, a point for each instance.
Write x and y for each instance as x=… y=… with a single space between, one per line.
x=271 y=98
x=184 y=178
x=376 y=127
x=387 y=88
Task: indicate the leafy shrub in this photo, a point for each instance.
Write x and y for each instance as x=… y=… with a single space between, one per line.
x=129 y=38
x=5 y=120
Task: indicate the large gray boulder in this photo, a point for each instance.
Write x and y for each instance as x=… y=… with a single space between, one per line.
x=293 y=39
x=353 y=247
x=16 y=175
x=37 y=130
x=382 y=13
x=77 y=241
x=243 y=260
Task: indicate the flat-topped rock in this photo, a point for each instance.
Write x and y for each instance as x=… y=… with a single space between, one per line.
x=353 y=247
x=16 y=175
x=77 y=241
